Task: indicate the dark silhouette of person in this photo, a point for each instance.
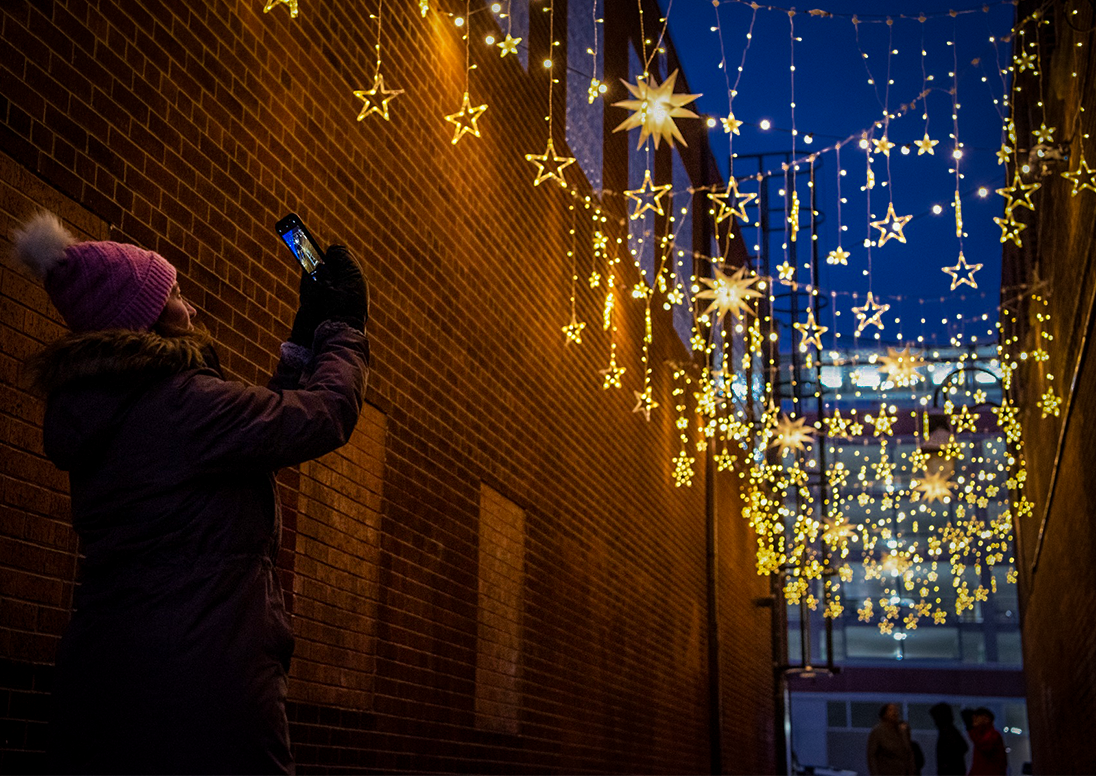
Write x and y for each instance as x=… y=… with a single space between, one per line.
x=889 y=751
x=951 y=747
x=989 y=758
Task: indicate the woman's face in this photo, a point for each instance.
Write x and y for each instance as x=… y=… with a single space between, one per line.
x=177 y=312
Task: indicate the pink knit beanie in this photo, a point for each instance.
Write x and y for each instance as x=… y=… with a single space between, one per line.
x=95 y=285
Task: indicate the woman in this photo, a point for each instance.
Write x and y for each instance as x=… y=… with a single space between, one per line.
x=176 y=656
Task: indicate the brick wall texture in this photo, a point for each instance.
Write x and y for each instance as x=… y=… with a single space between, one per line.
x=1058 y=608
x=496 y=574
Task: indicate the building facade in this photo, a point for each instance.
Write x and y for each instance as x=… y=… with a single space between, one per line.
x=497 y=573
x=1049 y=287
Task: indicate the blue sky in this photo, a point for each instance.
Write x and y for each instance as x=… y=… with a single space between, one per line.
x=833 y=101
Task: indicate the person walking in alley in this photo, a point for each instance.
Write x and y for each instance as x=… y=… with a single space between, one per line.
x=177 y=653
x=951 y=747
x=889 y=750
x=990 y=757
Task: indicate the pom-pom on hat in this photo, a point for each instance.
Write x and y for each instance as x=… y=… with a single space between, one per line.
x=95 y=285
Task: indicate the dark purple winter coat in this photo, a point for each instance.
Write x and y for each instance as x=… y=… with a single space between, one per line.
x=176 y=657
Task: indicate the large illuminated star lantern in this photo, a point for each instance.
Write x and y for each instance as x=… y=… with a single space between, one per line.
x=935 y=486
x=655 y=108
x=900 y=367
x=729 y=293
x=792 y=434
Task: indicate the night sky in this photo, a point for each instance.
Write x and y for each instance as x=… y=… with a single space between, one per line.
x=834 y=101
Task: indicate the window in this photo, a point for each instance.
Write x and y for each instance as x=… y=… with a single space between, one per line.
x=501 y=603
x=585 y=121
x=681 y=256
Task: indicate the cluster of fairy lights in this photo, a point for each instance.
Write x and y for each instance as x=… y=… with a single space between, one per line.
x=929 y=527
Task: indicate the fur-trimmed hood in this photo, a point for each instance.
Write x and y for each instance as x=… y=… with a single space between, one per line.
x=92 y=379
x=116 y=352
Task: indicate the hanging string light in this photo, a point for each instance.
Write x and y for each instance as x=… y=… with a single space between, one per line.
x=376 y=98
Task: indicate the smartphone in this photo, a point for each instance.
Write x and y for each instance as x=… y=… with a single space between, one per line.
x=305 y=249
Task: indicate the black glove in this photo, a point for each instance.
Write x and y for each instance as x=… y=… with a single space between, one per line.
x=344 y=294
x=310 y=312
x=336 y=293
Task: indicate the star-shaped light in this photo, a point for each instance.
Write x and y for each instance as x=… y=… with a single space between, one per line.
x=1044 y=134
x=729 y=293
x=838 y=475
x=1003 y=154
x=1084 y=177
x=935 y=486
x=883 y=145
x=964 y=420
x=792 y=434
x=648 y=196
x=1025 y=61
x=1018 y=194
x=891 y=226
x=884 y=470
x=683 y=469
x=573 y=331
x=1010 y=228
x=786 y=272
x=376 y=100
x=465 y=119
x=731 y=202
x=655 y=108
x=925 y=145
x=838 y=256
x=424 y=6
x=550 y=165
x=594 y=91
x=724 y=460
x=837 y=426
x=293 y=10
x=612 y=373
x=1049 y=403
x=644 y=403
x=882 y=422
x=731 y=124
x=811 y=331
x=900 y=367
x=508 y=45
x=873 y=307
x=960 y=267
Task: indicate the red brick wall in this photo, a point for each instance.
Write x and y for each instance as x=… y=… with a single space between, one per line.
x=1058 y=608
x=189 y=129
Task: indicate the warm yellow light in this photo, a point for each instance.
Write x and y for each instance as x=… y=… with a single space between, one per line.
x=765 y=124
x=490 y=40
x=459 y=21
x=937 y=210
